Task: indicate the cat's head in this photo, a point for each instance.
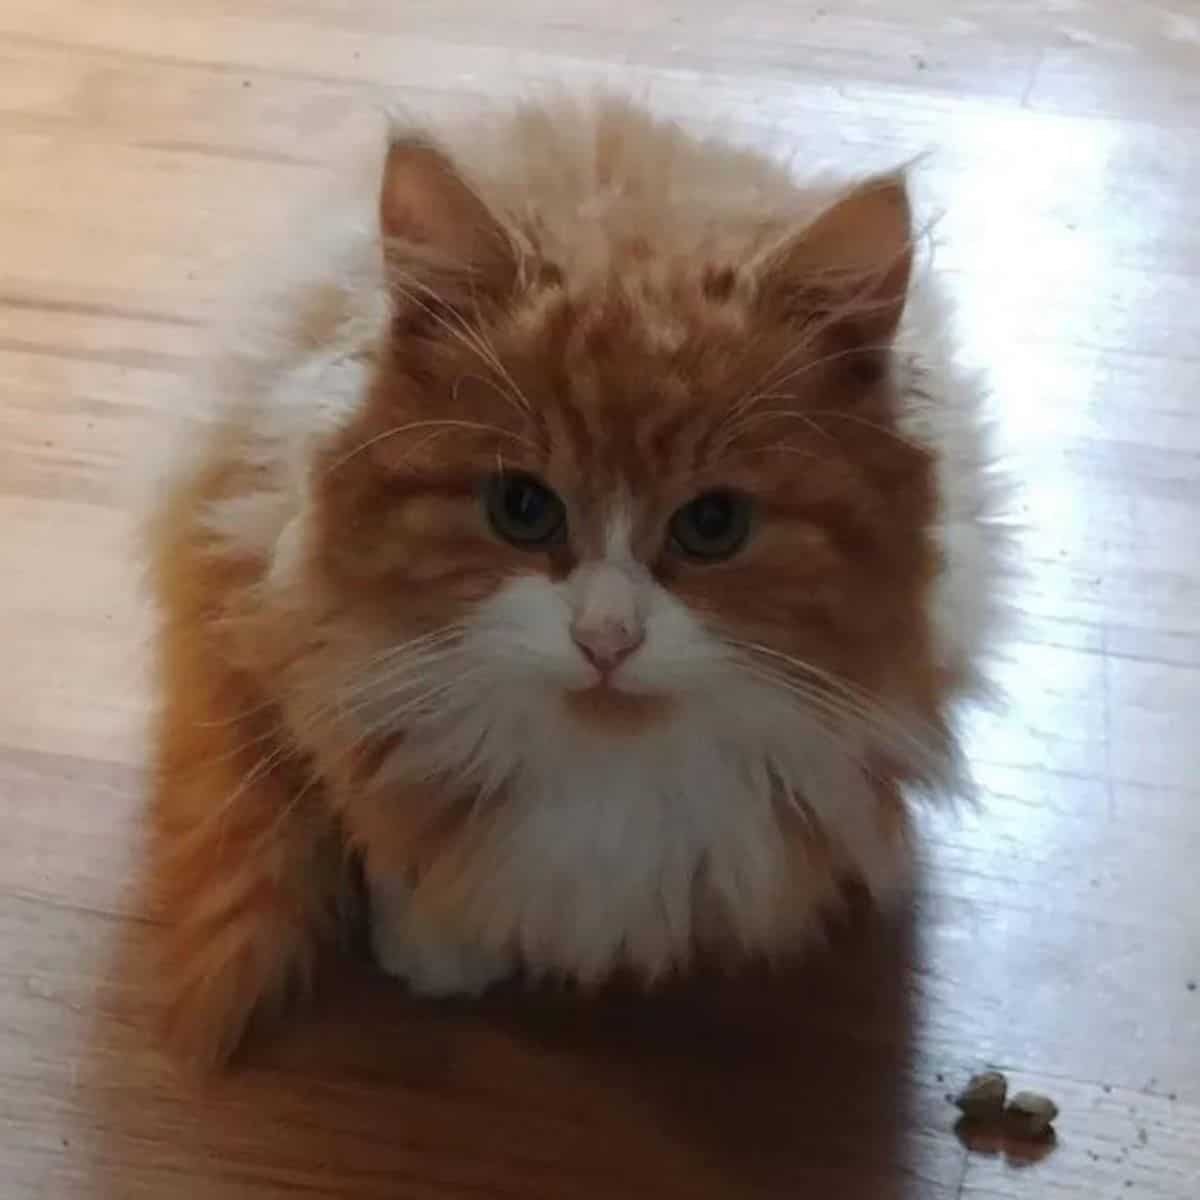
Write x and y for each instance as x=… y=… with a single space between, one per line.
x=599 y=493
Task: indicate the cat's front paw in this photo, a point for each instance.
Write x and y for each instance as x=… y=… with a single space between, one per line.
x=431 y=963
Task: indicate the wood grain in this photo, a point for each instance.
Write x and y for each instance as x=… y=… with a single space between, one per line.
x=147 y=152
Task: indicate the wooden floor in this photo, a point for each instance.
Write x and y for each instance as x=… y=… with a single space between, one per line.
x=147 y=148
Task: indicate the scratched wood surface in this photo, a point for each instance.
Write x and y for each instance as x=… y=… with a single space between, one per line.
x=147 y=149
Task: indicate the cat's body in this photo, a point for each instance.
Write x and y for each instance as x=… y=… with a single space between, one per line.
x=597 y=554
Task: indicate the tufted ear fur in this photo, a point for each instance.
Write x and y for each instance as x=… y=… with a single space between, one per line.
x=435 y=226
x=850 y=267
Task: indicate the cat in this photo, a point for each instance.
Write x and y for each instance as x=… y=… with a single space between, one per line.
x=594 y=548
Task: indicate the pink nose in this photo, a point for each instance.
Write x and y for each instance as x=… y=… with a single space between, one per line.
x=606 y=645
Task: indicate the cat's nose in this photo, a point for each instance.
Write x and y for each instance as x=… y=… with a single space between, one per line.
x=606 y=644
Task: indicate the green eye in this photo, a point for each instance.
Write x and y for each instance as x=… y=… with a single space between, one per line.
x=524 y=511
x=713 y=526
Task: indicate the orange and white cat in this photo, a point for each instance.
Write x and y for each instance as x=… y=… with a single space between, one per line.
x=593 y=550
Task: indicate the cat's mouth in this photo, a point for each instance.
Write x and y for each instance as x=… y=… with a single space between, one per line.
x=610 y=707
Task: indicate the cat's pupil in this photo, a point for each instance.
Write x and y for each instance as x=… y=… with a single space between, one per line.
x=713 y=526
x=712 y=515
x=523 y=511
x=525 y=501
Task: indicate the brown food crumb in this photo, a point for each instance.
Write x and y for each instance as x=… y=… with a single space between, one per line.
x=1031 y=1114
x=983 y=1097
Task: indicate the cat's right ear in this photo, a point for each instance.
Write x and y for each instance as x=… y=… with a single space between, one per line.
x=851 y=266
x=434 y=225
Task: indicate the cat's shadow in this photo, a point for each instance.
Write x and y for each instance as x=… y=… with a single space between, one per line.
x=797 y=1083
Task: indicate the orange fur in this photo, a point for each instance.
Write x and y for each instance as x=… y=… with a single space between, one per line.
x=248 y=865
x=636 y=362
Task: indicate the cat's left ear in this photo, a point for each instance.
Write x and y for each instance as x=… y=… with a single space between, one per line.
x=434 y=224
x=851 y=267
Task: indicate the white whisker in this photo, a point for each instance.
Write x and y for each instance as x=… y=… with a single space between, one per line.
x=467 y=336
x=441 y=424
x=914 y=737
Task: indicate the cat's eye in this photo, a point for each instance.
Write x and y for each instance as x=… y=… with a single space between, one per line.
x=524 y=511
x=713 y=526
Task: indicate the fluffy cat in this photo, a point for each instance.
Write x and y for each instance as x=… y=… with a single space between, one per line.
x=593 y=550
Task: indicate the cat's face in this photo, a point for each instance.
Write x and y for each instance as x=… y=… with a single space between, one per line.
x=604 y=504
